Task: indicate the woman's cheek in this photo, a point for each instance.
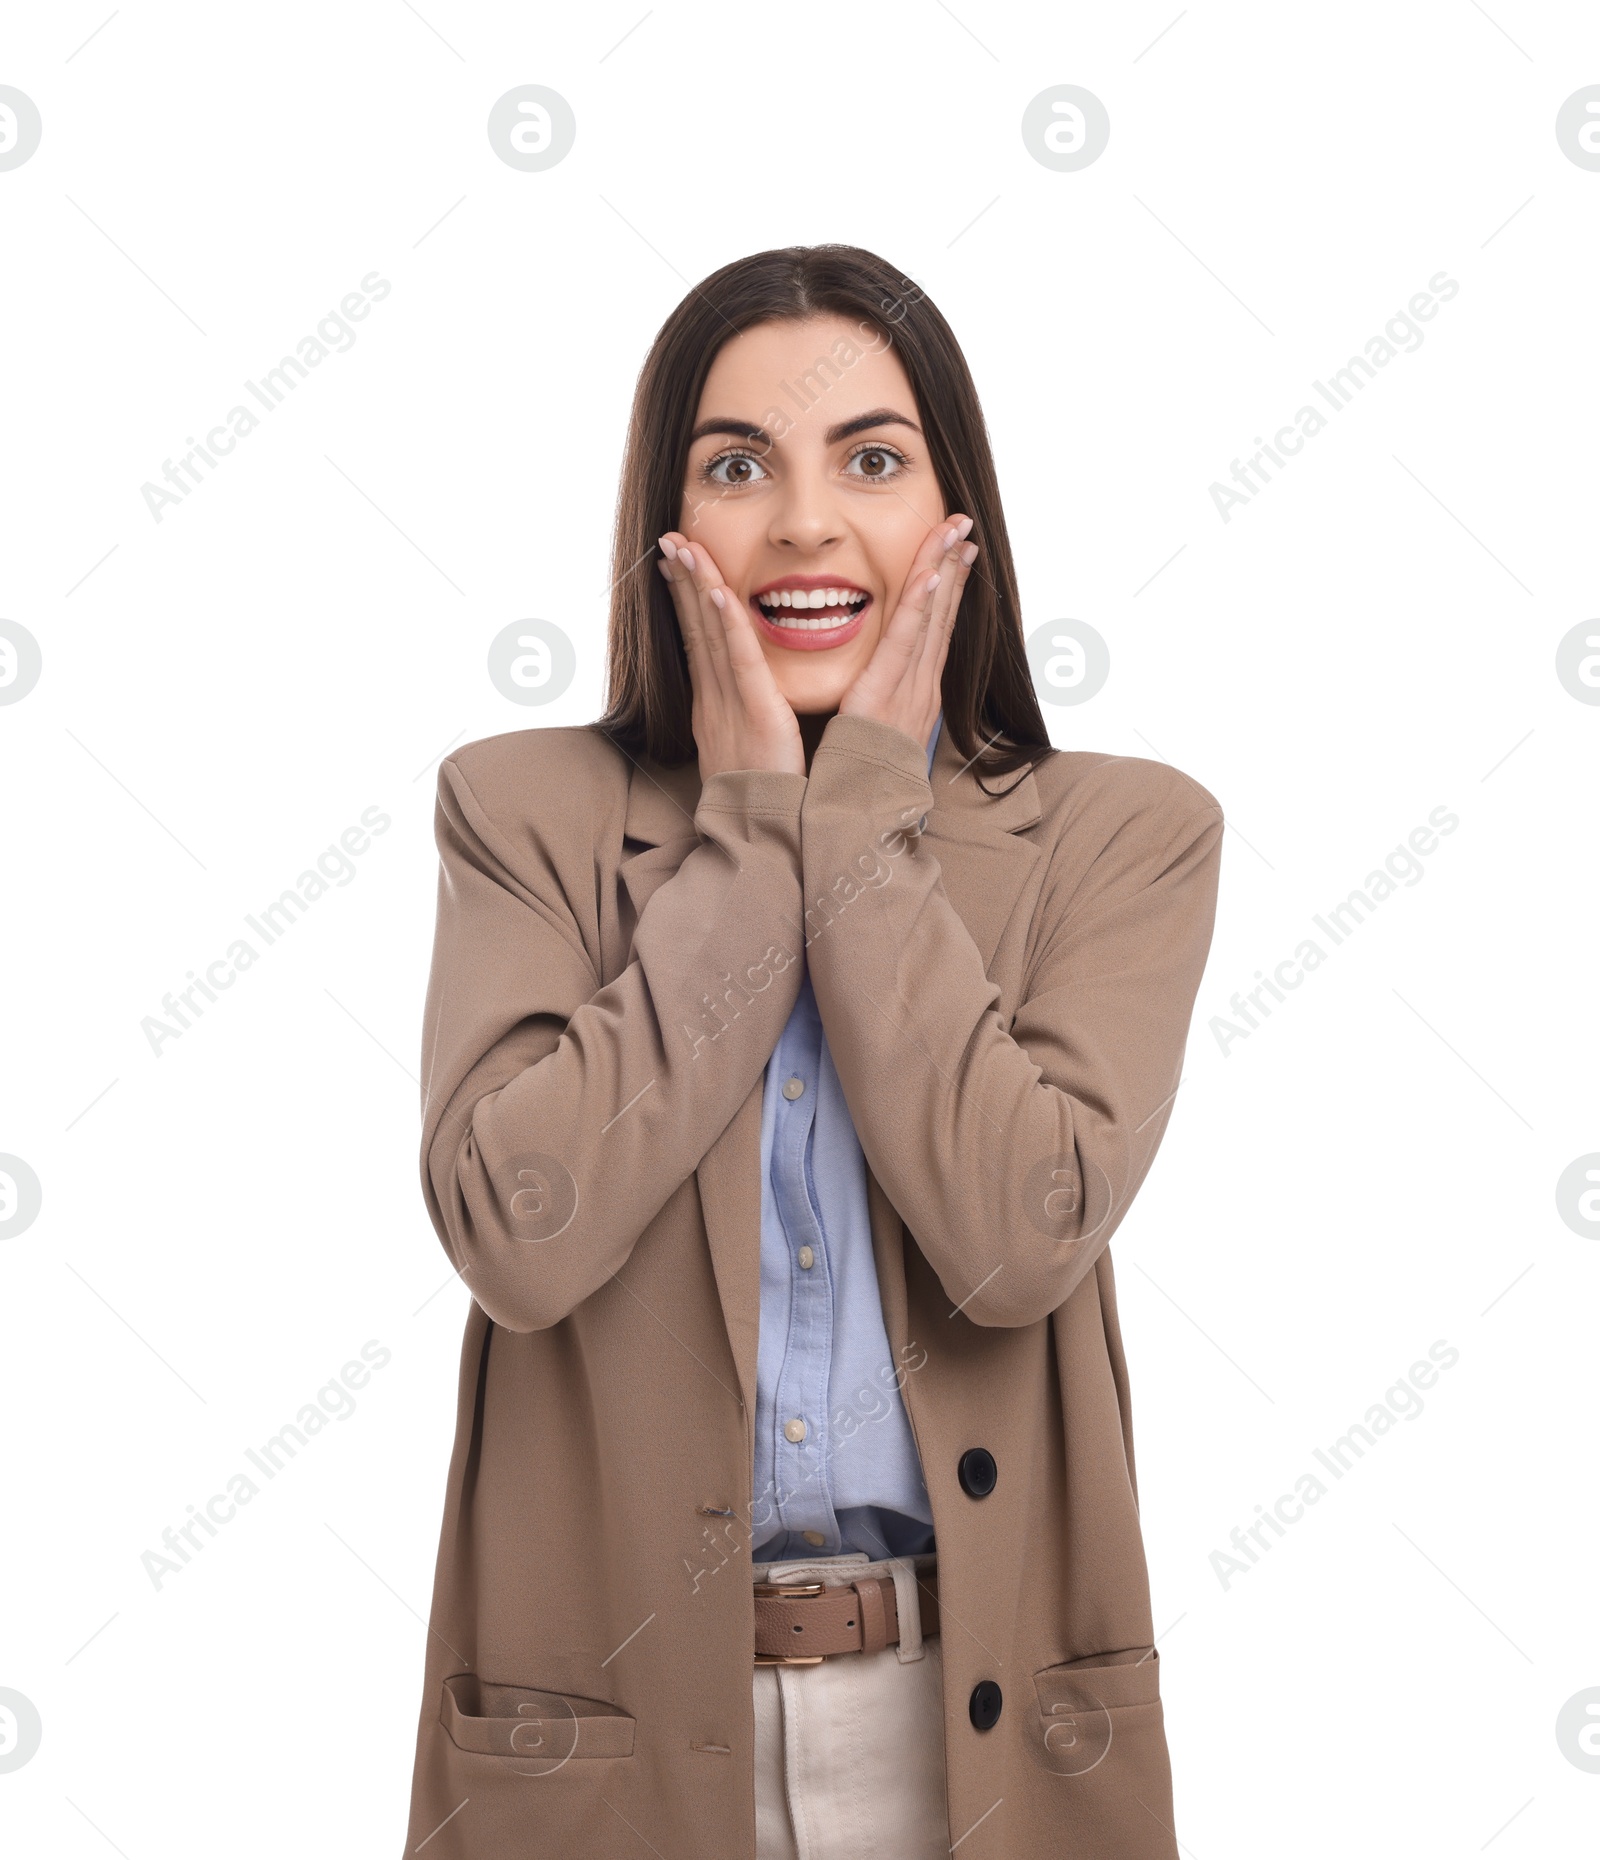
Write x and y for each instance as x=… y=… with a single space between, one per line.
x=731 y=543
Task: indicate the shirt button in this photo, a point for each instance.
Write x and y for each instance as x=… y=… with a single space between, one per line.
x=807 y=1258
x=792 y=1088
x=814 y=1537
x=794 y=1431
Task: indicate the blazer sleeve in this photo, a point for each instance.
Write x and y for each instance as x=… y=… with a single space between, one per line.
x=559 y=1116
x=1010 y=1153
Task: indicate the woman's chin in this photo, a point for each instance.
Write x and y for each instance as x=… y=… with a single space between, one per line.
x=813 y=683
x=814 y=697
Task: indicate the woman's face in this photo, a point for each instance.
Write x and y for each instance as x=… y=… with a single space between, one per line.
x=808 y=471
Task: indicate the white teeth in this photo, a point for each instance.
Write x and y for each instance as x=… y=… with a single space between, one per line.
x=797 y=599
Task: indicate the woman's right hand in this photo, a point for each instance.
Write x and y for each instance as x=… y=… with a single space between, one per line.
x=741 y=720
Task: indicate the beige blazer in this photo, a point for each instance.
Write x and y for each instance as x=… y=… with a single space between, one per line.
x=1006 y=986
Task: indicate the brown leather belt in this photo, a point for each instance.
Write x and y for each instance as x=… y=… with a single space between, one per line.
x=802 y=1623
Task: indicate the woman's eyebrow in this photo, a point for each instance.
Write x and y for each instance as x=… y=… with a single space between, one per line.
x=739 y=429
x=758 y=436
x=880 y=416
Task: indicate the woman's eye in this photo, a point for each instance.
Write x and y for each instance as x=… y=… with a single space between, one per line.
x=742 y=468
x=876 y=462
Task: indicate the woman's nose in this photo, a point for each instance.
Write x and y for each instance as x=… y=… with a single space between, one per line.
x=806 y=515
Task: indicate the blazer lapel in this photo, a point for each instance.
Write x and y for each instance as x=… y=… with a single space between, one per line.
x=973 y=835
x=729 y=1177
x=660 y=822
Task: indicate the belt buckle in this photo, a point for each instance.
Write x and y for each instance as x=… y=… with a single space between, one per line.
x=767 y=1589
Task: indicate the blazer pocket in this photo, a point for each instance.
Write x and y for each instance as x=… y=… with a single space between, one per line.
x=531 y=1730
x=1085 y=1707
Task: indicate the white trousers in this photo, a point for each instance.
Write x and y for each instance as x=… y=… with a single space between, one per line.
x=850 y=1754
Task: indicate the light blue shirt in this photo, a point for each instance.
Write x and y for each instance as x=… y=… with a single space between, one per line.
x=824 y=1370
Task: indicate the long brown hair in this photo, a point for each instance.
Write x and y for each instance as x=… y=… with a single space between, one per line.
x=987 y=692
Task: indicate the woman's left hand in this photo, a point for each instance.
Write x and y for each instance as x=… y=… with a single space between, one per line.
x=901 y=682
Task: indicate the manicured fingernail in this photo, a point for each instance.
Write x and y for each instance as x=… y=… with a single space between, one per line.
x=686 y=557
x=965 y=526
x=717 y=598
x=666 y=570
x=969 y=555
x=933 y=582
x=951 y=538
x=668 y=549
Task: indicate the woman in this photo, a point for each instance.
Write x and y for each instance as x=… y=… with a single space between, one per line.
x=797 y=1037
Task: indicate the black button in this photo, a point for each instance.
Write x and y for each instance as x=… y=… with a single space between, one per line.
x=984 y=1705
x=977 y=1472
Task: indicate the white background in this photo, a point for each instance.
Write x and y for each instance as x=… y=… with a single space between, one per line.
x=224 y=692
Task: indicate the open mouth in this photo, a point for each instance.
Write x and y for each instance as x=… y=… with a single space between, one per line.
x=810 y=610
